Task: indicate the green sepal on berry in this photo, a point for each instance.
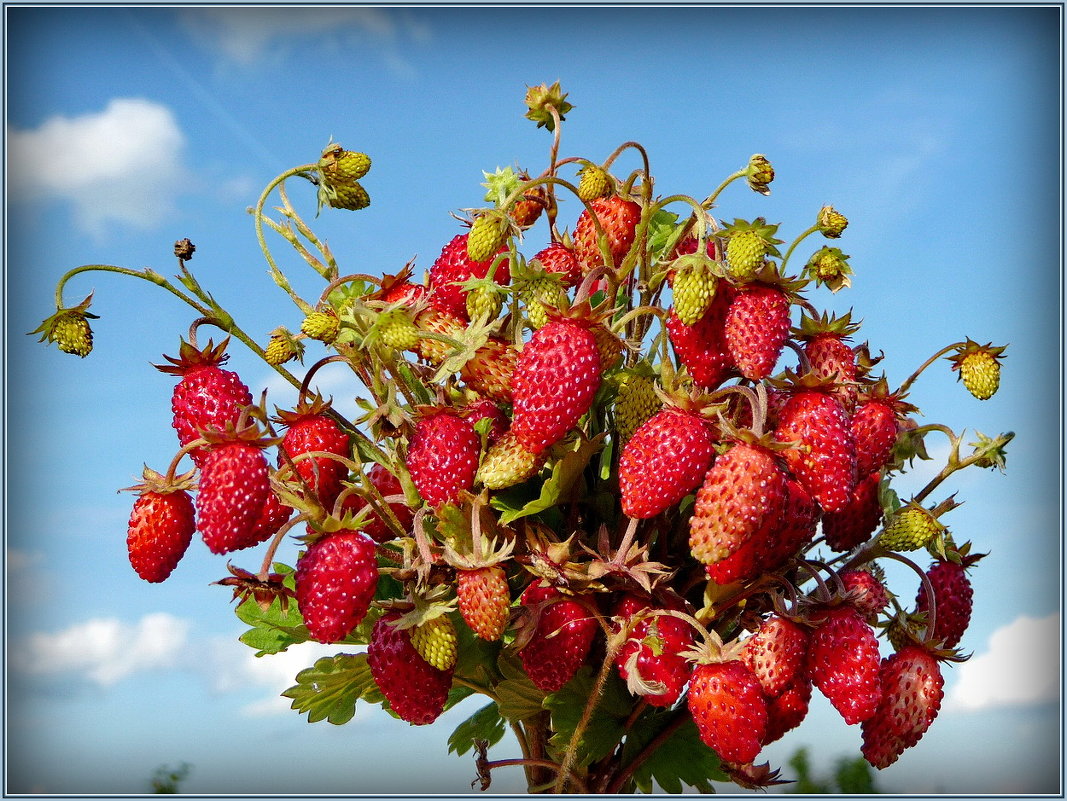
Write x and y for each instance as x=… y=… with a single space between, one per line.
x=829 y=267
x=759 y=174
x=910 y=528
x=69 y=329
x=539 y=99
x=539 y=290
x=748 y=246
x=831 y=222
x=978 y=367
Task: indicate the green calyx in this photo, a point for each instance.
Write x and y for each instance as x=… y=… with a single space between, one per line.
x=539 y=99
x=70 y=329
x=829 y=267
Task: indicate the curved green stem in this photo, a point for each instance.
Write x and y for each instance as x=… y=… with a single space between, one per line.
x=148 y=275
x=911 y=379
x=709 y=202
x=804 y=235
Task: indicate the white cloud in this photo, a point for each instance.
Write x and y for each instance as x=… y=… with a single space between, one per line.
x=105 y=650
x=247 y=35
x=1020 y=667
x=120 y=165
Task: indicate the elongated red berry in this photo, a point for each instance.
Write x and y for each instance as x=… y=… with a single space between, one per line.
x=701 y=347
x=416 y=690
x=787 y=711
x=619 y=218
x=554 y=384
x=843 y=663
x=652 y=655
x=160 y=529
x=454 y=266
x=309 y=429
x=777 y=654
x=666 y=458
x=234 y=485
x=443 y=456
x=561 y=642
x=484 y=600
x=335 y=583
x=912 y=690
x=856 y=521
x=874 y=428
x=825 y=461
x=728 y=707
x=756 y=328
x=953 y=599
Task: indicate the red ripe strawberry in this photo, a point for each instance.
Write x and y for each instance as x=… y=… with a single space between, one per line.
x=854 y=524
x=272 y=517
x=452 y=268
x=416 y=690
x=206 y=396
x=489 y=371
x=866 y=592
x=387 y=485
x=619 y=218
x=552 y=661
x=443 y=456
x=161 y=527
x=484 y=600
x=777 y=654
x=665 y=459
x=843 y=663
x=874 y=427
x=756 y=328
x=559 y=259
x=728 y=707
x=787 y=711
x=554 y=384
x=824 y=339
x=335 y=583
x=689 y=245
x=743 y=492
x=825 y=462
x=402 y=290
x=653 y=651
x=953 y=599
x=912 y=690
x=311 y=429
x=234 y=486
x=701 y=347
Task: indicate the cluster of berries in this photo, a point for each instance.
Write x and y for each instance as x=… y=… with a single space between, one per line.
x=589 y=458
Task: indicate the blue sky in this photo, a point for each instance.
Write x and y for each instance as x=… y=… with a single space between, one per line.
x=935 y=130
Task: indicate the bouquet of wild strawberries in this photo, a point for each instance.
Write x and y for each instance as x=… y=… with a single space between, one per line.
x=580 y=486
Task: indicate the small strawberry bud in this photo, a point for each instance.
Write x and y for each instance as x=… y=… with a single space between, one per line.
x=832 y=223
x=539 y=99
x=829 y=267
x=69 y=329
x=760 y=174
x=911 y=528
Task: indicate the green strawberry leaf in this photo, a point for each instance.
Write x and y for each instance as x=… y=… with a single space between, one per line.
x=330 y=688
x=517 y=697
x=485 y=724
x=606 y=726
x=681 y=759
x=273 y=629
x=476 y=657
x=663 y=230
x=565 y=474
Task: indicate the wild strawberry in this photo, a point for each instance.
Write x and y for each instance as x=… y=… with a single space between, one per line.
x=554 y=384
x=69 y=329
x=310 y=429
x=452 y=268
x=912 y=689
x=748 y=245
x=339 y=174
x=529 y=207
x=594 y=182
x=831 y=222
x=652 y=655
x=397 y=330
x=485 y=409
x=489 y=372
x=777 y=654
x=443 y=456
x=636 y=402
x=484 y=600
x=234 y=486
x=854 y=524
x=843 y=663
x=756 y=328
x=825 y=461
x=619 y=218
x=433 y=321
x=694 y=283
x=953 y=599
x=206 y=396
x=787 y=710
x=415 y=689
x=560 y=260
x=728 y=707
x=435 y=640
x=874 y=427
x=664 y=461
x=388 y=486
x=829 y=267
x=911 y=527
x=508 y=462
x=562 y=639
x=744 y=490
x=487 y=235
x=979 y=367
x=701 y=347
x=282 y=347
x=760 y=174
x=323 y=325
x=335 y=583
x=865 y=592
x=540 y=291
x=272 y=517
x=800 y=515
x=825 y=344
x=161 y=526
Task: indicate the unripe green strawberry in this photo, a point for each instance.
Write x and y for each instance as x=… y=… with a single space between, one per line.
x=487 y=235
x=760 y=174
x=352 y=197
x=636 y=402
x=397 y=330
x=829 y=267
x=161 y=526
x=745 y=252
x=507 y=463
x=336 y=579
x=71 y=332
x=349 y=166
x=484 y=600
x=339 y=174
x=484 y=302
x=415 y=689
x=694 y=287
x=979 y=367
x=594 y=183
x=281 y=348
x=435 y=640
x=910 y=528
x=831 y=222
x=539 y=295
x=322 y=325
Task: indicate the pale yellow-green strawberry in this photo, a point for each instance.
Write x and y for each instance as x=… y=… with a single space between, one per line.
x=593 y=183
x=748 y=245
x=282 y=348
x=910 y=528
x=69 y=329
x=397 y=330
x=831 y=222
x=760 y=173
x=829 y=267
x=487 y=235
x=694 y=286
x=979 y=367
x=636 y=402
x=322 y=325
x=435 y=640
x=339 y=174
x=539 y=290
x=508 y=463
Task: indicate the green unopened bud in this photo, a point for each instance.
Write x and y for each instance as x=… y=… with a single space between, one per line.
x=540 y=99
x=760 y=174
x=832 y=223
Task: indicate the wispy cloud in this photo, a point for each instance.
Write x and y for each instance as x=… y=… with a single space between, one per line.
x=1020 y=667
x=251 y=35
x=122 y=165
x=104 y=650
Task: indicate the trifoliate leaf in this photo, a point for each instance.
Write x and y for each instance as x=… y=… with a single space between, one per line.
x=606 y=726
x=329 y=690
